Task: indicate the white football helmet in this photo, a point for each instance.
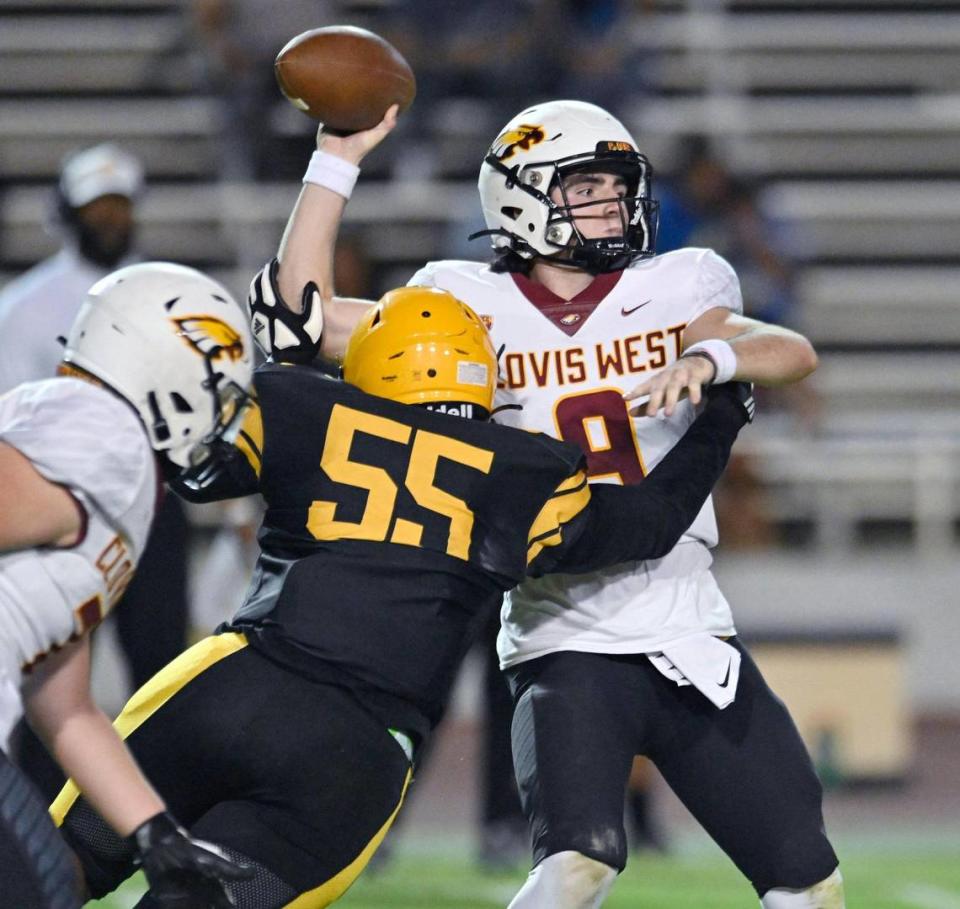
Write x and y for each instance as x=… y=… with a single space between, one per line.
x=173 y=343
x=526 y=160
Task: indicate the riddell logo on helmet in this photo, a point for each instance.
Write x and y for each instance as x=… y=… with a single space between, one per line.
x=453 y=409
x=524 y=137
x=210 y=335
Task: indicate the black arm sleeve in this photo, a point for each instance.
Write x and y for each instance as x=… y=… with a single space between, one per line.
x=645 y=521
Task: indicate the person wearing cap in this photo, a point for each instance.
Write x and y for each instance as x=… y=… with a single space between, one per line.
x=94 y=203
x=94 y=198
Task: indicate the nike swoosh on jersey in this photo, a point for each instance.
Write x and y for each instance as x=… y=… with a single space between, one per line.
x=626 y=312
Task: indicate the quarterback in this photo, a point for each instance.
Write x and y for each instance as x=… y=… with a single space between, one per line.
x=610 y=346
x=397 y=514
x=156 y=367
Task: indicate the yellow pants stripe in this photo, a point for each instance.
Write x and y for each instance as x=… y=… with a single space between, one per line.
x=155 y=693
x=331 y=890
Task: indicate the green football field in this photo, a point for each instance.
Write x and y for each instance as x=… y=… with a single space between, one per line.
x=913 y=875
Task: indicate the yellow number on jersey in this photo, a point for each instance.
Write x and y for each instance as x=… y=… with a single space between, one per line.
x=379 y=512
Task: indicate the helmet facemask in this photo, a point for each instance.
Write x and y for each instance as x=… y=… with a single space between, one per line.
x=230 y=401
x=638 y=213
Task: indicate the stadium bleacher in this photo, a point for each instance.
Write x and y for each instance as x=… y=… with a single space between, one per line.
x=848 y=113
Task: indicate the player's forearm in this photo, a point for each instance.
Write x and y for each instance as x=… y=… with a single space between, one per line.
x=91 y=753
x=307 y=255
x=307 y=248
x=766 y=354
x=76 y=732
x=677 y=487
x=771 y=355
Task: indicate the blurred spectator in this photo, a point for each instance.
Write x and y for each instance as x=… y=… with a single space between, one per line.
x=238 y=41
x=485 y=48
x=744 y=514
x=95 y=218
x=493 y=57
x=593 y=50
x=93 y=202
x=706 y=205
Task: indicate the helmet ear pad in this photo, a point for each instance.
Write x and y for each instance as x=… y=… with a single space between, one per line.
x=421 y=345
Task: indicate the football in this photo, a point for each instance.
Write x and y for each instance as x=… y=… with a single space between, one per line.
x=345 y=77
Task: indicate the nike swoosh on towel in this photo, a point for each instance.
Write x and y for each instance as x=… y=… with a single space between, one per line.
x=726 y=678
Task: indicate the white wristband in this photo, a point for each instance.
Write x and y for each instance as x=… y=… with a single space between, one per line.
x=332 y=173
x=720 y=353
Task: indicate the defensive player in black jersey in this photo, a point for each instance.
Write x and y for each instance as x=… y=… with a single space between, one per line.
x=290 y=737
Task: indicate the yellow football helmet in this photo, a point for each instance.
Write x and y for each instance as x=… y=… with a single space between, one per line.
x=421 y=345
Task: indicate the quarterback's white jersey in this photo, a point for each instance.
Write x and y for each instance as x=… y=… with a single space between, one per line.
x=90 y=442
x=568 y=364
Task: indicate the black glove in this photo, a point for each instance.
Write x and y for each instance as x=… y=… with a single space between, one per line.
x=737 y=393
x=184 y=873
x=284 y=335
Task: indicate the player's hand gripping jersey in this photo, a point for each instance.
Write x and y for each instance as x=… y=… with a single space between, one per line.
x=90 y=442
x=388 y=527
x=567 y=364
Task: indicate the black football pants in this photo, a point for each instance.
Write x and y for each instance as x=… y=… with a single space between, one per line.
x=743 y=772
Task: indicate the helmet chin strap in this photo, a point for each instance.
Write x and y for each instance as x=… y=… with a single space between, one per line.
x=493 y=232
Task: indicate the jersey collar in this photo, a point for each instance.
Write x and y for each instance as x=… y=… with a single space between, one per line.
x=568 y=315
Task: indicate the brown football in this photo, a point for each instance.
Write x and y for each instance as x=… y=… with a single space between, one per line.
x=345 y=77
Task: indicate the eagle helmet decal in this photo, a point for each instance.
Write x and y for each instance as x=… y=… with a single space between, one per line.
x=211 y=336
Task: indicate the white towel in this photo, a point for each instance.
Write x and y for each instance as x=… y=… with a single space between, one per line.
x=711 y=665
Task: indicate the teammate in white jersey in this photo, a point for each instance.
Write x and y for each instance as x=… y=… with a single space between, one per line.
x=606 y=344
x=156 y=367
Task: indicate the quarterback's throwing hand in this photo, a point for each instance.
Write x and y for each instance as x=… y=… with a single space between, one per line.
x=184 y=873
x=684 y=378
x=355 y=146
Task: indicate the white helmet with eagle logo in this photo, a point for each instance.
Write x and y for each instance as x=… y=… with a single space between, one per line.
x=527 y=159
x=175 y=345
